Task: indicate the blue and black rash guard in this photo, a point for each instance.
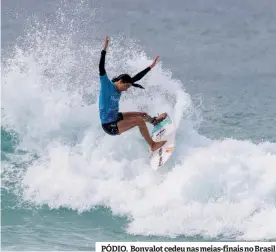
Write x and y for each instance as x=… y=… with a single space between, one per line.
x=109 y=95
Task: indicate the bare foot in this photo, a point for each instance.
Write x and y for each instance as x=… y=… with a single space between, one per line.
x=157 y=145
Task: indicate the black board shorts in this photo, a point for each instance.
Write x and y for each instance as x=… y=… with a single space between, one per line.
x=112 y=127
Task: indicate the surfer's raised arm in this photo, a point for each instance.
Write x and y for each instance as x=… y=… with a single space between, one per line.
x=141 y=74
x=102 y=59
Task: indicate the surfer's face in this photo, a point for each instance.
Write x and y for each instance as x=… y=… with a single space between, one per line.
x=122 y=86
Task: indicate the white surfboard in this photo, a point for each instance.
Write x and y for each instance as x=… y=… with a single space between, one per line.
x=165 y=130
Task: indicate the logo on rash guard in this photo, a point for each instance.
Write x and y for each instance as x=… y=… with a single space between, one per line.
x=114 y=98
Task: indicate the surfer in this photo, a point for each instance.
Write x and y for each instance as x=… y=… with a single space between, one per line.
x=115 y=122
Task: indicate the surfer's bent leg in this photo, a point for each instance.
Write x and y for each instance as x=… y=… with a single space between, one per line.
x=144 y=115
x=128 y=115
x=127 y=124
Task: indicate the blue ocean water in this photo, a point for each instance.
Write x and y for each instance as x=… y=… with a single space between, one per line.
x=65 y=184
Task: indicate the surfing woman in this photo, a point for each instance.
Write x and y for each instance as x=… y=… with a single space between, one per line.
x=115 y=122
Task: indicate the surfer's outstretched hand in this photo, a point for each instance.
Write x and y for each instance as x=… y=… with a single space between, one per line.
x=154 y=62
x=106 y=40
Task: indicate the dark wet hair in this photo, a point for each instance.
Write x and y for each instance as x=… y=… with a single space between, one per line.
x=126 y=78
